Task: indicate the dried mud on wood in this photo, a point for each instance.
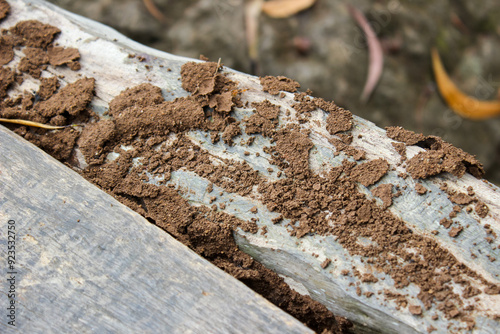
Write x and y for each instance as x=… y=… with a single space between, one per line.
x=133 y=153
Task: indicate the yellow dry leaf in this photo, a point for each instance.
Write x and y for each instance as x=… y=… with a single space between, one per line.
x=280 y=9
x=462 y=104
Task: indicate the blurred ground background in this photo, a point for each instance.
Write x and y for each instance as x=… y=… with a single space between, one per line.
x=324 y=50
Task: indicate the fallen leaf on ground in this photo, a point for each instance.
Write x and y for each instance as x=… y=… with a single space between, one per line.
x=252 y=14
x=459 y=102
x=376 y=55
x=280 y=9
x=153 y=10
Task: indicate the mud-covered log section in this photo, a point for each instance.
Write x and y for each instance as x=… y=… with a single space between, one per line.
x=384 y=230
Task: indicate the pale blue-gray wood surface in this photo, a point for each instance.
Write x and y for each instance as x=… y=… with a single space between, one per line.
x=87 y=264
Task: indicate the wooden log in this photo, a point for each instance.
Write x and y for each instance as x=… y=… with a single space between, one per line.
x=104 y=55
x=85 y=262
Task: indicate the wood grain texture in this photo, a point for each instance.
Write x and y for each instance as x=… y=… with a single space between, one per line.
x=105 y=57
x=88 y=264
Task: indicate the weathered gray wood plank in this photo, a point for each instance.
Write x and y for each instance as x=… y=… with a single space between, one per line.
x=105 y=57
x=87 y=264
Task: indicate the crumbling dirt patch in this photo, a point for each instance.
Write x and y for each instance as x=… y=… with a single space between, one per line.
x=4 y=9
x=438 y=157
x=6 y=52
x=370 y=172
x=59 y=56
x=274 y=85
x=33 y=34
x=141 y=112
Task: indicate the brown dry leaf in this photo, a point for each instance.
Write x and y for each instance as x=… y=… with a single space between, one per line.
x=153 y=10
x=376 y=63
x=280 y=9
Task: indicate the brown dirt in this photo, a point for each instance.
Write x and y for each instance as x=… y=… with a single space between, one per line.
x=139 y=96
x=370 y=172
x=384 y=192
x=274 y=85
x=339 y=121
x=141 y=111
x=60 y=56
x=7 y=77
x=4 y=9
x=421 y=190
x=32 y=63
x=70 y=100
x=481 y=209
x=438 y=157
x=33 y=33
x=6 y=52
x=300 y=195
x=264 y=120
x=48 y=87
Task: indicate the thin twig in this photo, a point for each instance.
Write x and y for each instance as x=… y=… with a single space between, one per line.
x=34 y=124
x=218 y=66
x=252 y=14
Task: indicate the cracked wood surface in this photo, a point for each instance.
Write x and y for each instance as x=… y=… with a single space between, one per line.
x=85 y=263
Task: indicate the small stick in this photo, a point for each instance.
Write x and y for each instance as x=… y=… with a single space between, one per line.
x=252 y=14
x=218 y=66
x=34 y=124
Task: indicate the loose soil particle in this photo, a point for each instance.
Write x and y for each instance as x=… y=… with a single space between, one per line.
x=274 y=85
x=326 y=263
x=300 y=196
x=406 y=136
x=232 y=130
x=401 y=149
x=370 y=172
x=32 y=63
x=339 y=121
x=34 y=34
x=439 y=156
x=481 y=209
x=59 y=56
x=4 y=9
x=139 y=96
x=420 y=189
x=6 y=52
x=384 y=192
x=48 y=86
x=461 y=198
x=415 y=309
x=455 y=231
x=71 y=99
x=263 y=121
x=266 y=109
x=446 y=222
x=7 y=77
x=293 y=146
